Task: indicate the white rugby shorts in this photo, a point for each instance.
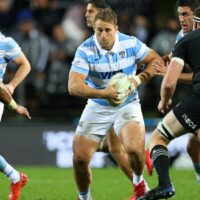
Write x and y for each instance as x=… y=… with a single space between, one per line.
x=96 y=120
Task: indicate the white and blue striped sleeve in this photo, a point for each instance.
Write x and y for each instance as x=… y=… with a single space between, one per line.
x=12 y=49
x=80 y=64
x=179 y=36
x=140 y=50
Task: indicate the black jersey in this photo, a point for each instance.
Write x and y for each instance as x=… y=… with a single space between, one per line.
x=188 y=49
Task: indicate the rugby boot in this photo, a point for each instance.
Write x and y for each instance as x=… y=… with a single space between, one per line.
x=15 y=189
x=139 y=190
x=159 y=193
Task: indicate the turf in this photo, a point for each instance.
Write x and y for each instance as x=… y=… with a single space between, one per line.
x=48 y=183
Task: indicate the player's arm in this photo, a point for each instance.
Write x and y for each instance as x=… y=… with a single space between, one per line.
x=6 y=98
x=22 y=71
x=78 y=87
x=149 y=71
x=161 y=71
x=169 y=82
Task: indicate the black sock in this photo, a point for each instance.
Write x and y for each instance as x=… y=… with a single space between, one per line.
x=161 y=162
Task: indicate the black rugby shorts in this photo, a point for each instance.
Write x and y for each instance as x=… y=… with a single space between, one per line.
x=188 y=112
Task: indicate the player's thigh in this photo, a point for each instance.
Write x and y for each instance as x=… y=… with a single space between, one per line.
x=83 y=148
x=188 y=113
x=173 y=126
x=130 y=126
x=114 y=143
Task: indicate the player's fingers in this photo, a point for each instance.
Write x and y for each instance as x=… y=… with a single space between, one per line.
x=28 y=115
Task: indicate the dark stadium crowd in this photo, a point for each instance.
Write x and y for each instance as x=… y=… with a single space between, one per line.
x=49 y=31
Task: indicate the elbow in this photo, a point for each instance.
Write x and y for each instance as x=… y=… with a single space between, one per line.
x=28 y=67
x=71 y=93
x=168 y=86
x=71 y=90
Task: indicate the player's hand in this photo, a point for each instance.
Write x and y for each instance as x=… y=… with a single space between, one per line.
x=160 y=69
x=10 y=88
x=163 y=108
x=132 y=87
x=114 y=95
x=21 y=110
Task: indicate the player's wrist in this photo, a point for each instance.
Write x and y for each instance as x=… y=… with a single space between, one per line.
x=137 y=80
x=12 y=105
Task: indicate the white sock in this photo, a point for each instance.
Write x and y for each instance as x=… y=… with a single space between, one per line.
x=85 y=195
x=137 y=179
x=11 y=173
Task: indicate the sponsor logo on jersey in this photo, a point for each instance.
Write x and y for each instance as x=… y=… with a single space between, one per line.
x=108 y=75
x=122 y=54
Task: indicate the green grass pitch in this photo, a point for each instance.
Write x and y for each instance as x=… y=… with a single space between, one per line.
x=48 y=183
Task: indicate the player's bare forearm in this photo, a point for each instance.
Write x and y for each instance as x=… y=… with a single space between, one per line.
x=166 y=94
x=5 y=96
x=170 y=80
x=78 y=87
x=22 y=72
x=149 y=71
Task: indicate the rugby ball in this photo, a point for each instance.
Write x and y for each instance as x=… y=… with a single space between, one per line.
x=122 y=83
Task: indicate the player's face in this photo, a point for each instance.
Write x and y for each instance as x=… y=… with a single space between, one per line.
x=90 y=14
x=105 y=33
x=185 y=18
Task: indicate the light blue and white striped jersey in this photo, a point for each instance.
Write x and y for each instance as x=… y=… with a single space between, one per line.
x=180 y=35
x=9 y=50
x=100 y=65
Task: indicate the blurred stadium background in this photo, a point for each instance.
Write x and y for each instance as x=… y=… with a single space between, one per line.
x=49 y=32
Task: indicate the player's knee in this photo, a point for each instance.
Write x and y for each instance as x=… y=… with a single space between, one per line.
x=136 y=150
x=80 y=161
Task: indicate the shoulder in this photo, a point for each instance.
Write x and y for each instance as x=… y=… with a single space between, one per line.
x=123 y=36
x=8 y=43
x=130 y=41
x=87 y=43
x=127 y=38
x=87 y=46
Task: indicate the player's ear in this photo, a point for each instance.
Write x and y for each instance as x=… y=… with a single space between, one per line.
x=116 y=27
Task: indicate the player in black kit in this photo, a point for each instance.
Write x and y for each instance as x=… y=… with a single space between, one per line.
x=185 y=117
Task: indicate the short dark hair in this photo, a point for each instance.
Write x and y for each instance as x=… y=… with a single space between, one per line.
x=101 y=4
x=190 y=3
x=107 y=15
